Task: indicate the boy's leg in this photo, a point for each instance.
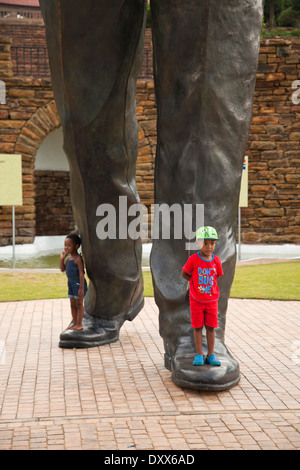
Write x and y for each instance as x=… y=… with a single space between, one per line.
x=95 y=48
x=210 y=337
x=198 y=340
x=205 y=60
x=211 y=323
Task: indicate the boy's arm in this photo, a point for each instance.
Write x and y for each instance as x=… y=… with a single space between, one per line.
x=185 y=275
x=219 y=269
x=187 y=269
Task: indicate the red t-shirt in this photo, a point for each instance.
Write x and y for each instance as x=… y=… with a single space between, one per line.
x=204 y=274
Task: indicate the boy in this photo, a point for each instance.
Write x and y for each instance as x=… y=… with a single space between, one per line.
x=202 y=271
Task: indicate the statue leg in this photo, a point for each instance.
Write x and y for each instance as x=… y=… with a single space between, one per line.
x=95 y=52
x=205 y=60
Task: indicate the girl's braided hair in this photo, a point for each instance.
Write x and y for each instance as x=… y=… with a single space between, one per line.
x=76 y=238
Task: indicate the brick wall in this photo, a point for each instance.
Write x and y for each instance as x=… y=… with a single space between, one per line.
x=25 y=120
x=53 y=210
x=273 y=212
x=146 y=114
x=28 y=116
x=6 y=66
x=273 y=215
x=27 y=37
x=22 y=33
x=52 y=199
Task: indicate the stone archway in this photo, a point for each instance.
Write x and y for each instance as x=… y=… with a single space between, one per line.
x=29 y=217
x=53 y=209
x=41 y=123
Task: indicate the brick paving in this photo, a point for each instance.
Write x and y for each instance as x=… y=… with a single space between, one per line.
x=120 y=395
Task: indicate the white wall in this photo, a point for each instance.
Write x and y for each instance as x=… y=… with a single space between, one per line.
x=50 y=155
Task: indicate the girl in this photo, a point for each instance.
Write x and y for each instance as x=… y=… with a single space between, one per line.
x=77 y=286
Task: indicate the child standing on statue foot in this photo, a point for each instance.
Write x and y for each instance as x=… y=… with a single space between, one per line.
x=202 y=271
x=77 y=286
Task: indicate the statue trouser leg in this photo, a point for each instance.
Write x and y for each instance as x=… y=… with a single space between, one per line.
x=94 y=49
x=205 y=56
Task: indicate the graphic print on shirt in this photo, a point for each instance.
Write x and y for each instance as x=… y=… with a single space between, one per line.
x=206 y=279
x=203 y=284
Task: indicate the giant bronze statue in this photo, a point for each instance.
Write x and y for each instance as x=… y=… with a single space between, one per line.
x=205 y=61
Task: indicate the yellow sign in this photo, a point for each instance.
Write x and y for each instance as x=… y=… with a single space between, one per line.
x=10 y=180
x=244 y=185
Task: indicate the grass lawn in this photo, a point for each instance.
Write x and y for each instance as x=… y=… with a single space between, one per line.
x=32 y=286
x=278 y=281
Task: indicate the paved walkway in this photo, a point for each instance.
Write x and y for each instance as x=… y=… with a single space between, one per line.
x=120 y=396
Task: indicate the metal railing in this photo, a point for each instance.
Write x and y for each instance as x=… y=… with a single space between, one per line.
x=33 y=61
x=20 y=14
x=30 y=61
x=147 y=65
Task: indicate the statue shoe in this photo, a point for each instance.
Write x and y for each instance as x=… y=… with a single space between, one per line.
x=208 y=377
x=97 y=331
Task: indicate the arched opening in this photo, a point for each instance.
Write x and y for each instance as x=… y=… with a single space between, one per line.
x=53 y=210
x=47 y=209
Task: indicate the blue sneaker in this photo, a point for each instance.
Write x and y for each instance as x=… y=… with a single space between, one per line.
x=212 y=360
x=199 y=360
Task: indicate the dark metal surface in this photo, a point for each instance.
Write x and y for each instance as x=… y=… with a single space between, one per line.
x=205 y=60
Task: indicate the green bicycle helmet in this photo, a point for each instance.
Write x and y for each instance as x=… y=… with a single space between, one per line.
x=206 y=233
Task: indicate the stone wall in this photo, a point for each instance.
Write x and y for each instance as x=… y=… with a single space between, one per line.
x=6 y=66
x=23 y=33
x=53 y=205
x=53 y=210
x=273 y=214
x=26 y=119
x=146 y=114
x=26 y=37
x=28 y=116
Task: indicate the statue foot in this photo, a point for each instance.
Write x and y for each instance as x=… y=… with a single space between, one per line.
x=206 y=377
x=97 y=331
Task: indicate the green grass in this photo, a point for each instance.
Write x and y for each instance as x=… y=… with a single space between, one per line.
x=32 y=286
x=281 y=33
x=276 y=281
x=148 y=287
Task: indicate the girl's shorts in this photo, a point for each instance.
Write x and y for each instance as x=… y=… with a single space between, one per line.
x=204 y=313
x=73 y=288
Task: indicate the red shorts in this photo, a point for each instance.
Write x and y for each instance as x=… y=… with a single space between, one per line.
x=204 y=313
